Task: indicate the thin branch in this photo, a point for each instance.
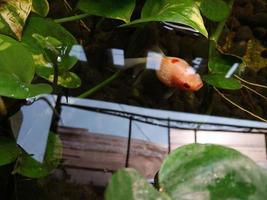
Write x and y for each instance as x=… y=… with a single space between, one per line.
x=69 y=8
x=71 y=18
x=255 y=92
x=250 y=83
x=238 y=106
x=100 y=85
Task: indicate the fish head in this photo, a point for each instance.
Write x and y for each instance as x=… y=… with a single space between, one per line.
x=176 y=72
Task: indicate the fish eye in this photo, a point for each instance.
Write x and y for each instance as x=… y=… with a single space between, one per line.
x=186 y=86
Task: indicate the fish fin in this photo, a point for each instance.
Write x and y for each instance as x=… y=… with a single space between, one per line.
x=156 y=49
x=131 y=62
x=138 y=76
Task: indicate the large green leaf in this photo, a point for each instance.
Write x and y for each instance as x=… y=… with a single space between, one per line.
x=16 y=59
x=13 y=14
x=29 y=167
x=115 y=9
x=215 y=10
x=44 y=60
x=212 y=172
x=8 y=150
x=128 y=184
x=184 y=12
x=17 y=72
x=219 y=80
x=40 y=7
x=12 y=86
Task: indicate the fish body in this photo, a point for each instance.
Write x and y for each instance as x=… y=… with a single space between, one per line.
x=176 y=72
x=172 y=71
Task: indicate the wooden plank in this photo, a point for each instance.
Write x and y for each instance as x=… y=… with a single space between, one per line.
x=82 y=149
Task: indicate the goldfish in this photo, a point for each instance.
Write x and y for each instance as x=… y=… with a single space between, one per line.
x=176 y=72
x=172 y=71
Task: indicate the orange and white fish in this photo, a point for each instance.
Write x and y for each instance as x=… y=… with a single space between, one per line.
x=177 y=73
x=172 y=71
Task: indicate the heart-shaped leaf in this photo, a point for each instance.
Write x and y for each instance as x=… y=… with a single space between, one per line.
x=17 y=74
x=215 y=10
x=21 y=65
x=11 y=86
x=13 y=16
x=220 y=81
x=44 y=35
x=128 y=184
x=204 y=171
x=221 y=63
x=48 y=28
x=40 y=7
x=115 y=9
x=29 y=167
x=8 y=150
x=183 y=12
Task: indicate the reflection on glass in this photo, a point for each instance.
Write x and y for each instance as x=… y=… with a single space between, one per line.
x=180 y=27
x=232 y=70
x=153 y=60
x=78 y=52
x=33 y=133
x=197 y=62
x=117 y=57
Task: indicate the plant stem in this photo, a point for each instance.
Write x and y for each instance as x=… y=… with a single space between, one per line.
x=71 y=18
x=100 y=85
x=218 y=31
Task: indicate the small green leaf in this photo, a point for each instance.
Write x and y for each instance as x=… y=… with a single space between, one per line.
x=29 y=167
x=212 y=172
x=40 y=7
x=65 y=79
x=220 y=63
x=8 y=150
x=128 y=184
x=13 y=16
x=49 y=29
x=115 y=9
x=183 y=12
x=11 y=86
x=219 y=81
x=215 y=10
x=50 y=42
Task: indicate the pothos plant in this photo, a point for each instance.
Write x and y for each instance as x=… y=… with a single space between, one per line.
x=34 y=47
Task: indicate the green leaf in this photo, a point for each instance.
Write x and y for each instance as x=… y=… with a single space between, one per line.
x=219 y=81
x=8 y=150
x=40 y=7
x=183 y=12
x=12 y=86
x=21 y=65
x=29 y=167
x=48 y=28
x=17 y=73
x=13 y=16
x=221 y=63
x=211 y=172
x=128 y=184
x=115 y=9
x=44 y=35
x=215 y=10
x=65 y=79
